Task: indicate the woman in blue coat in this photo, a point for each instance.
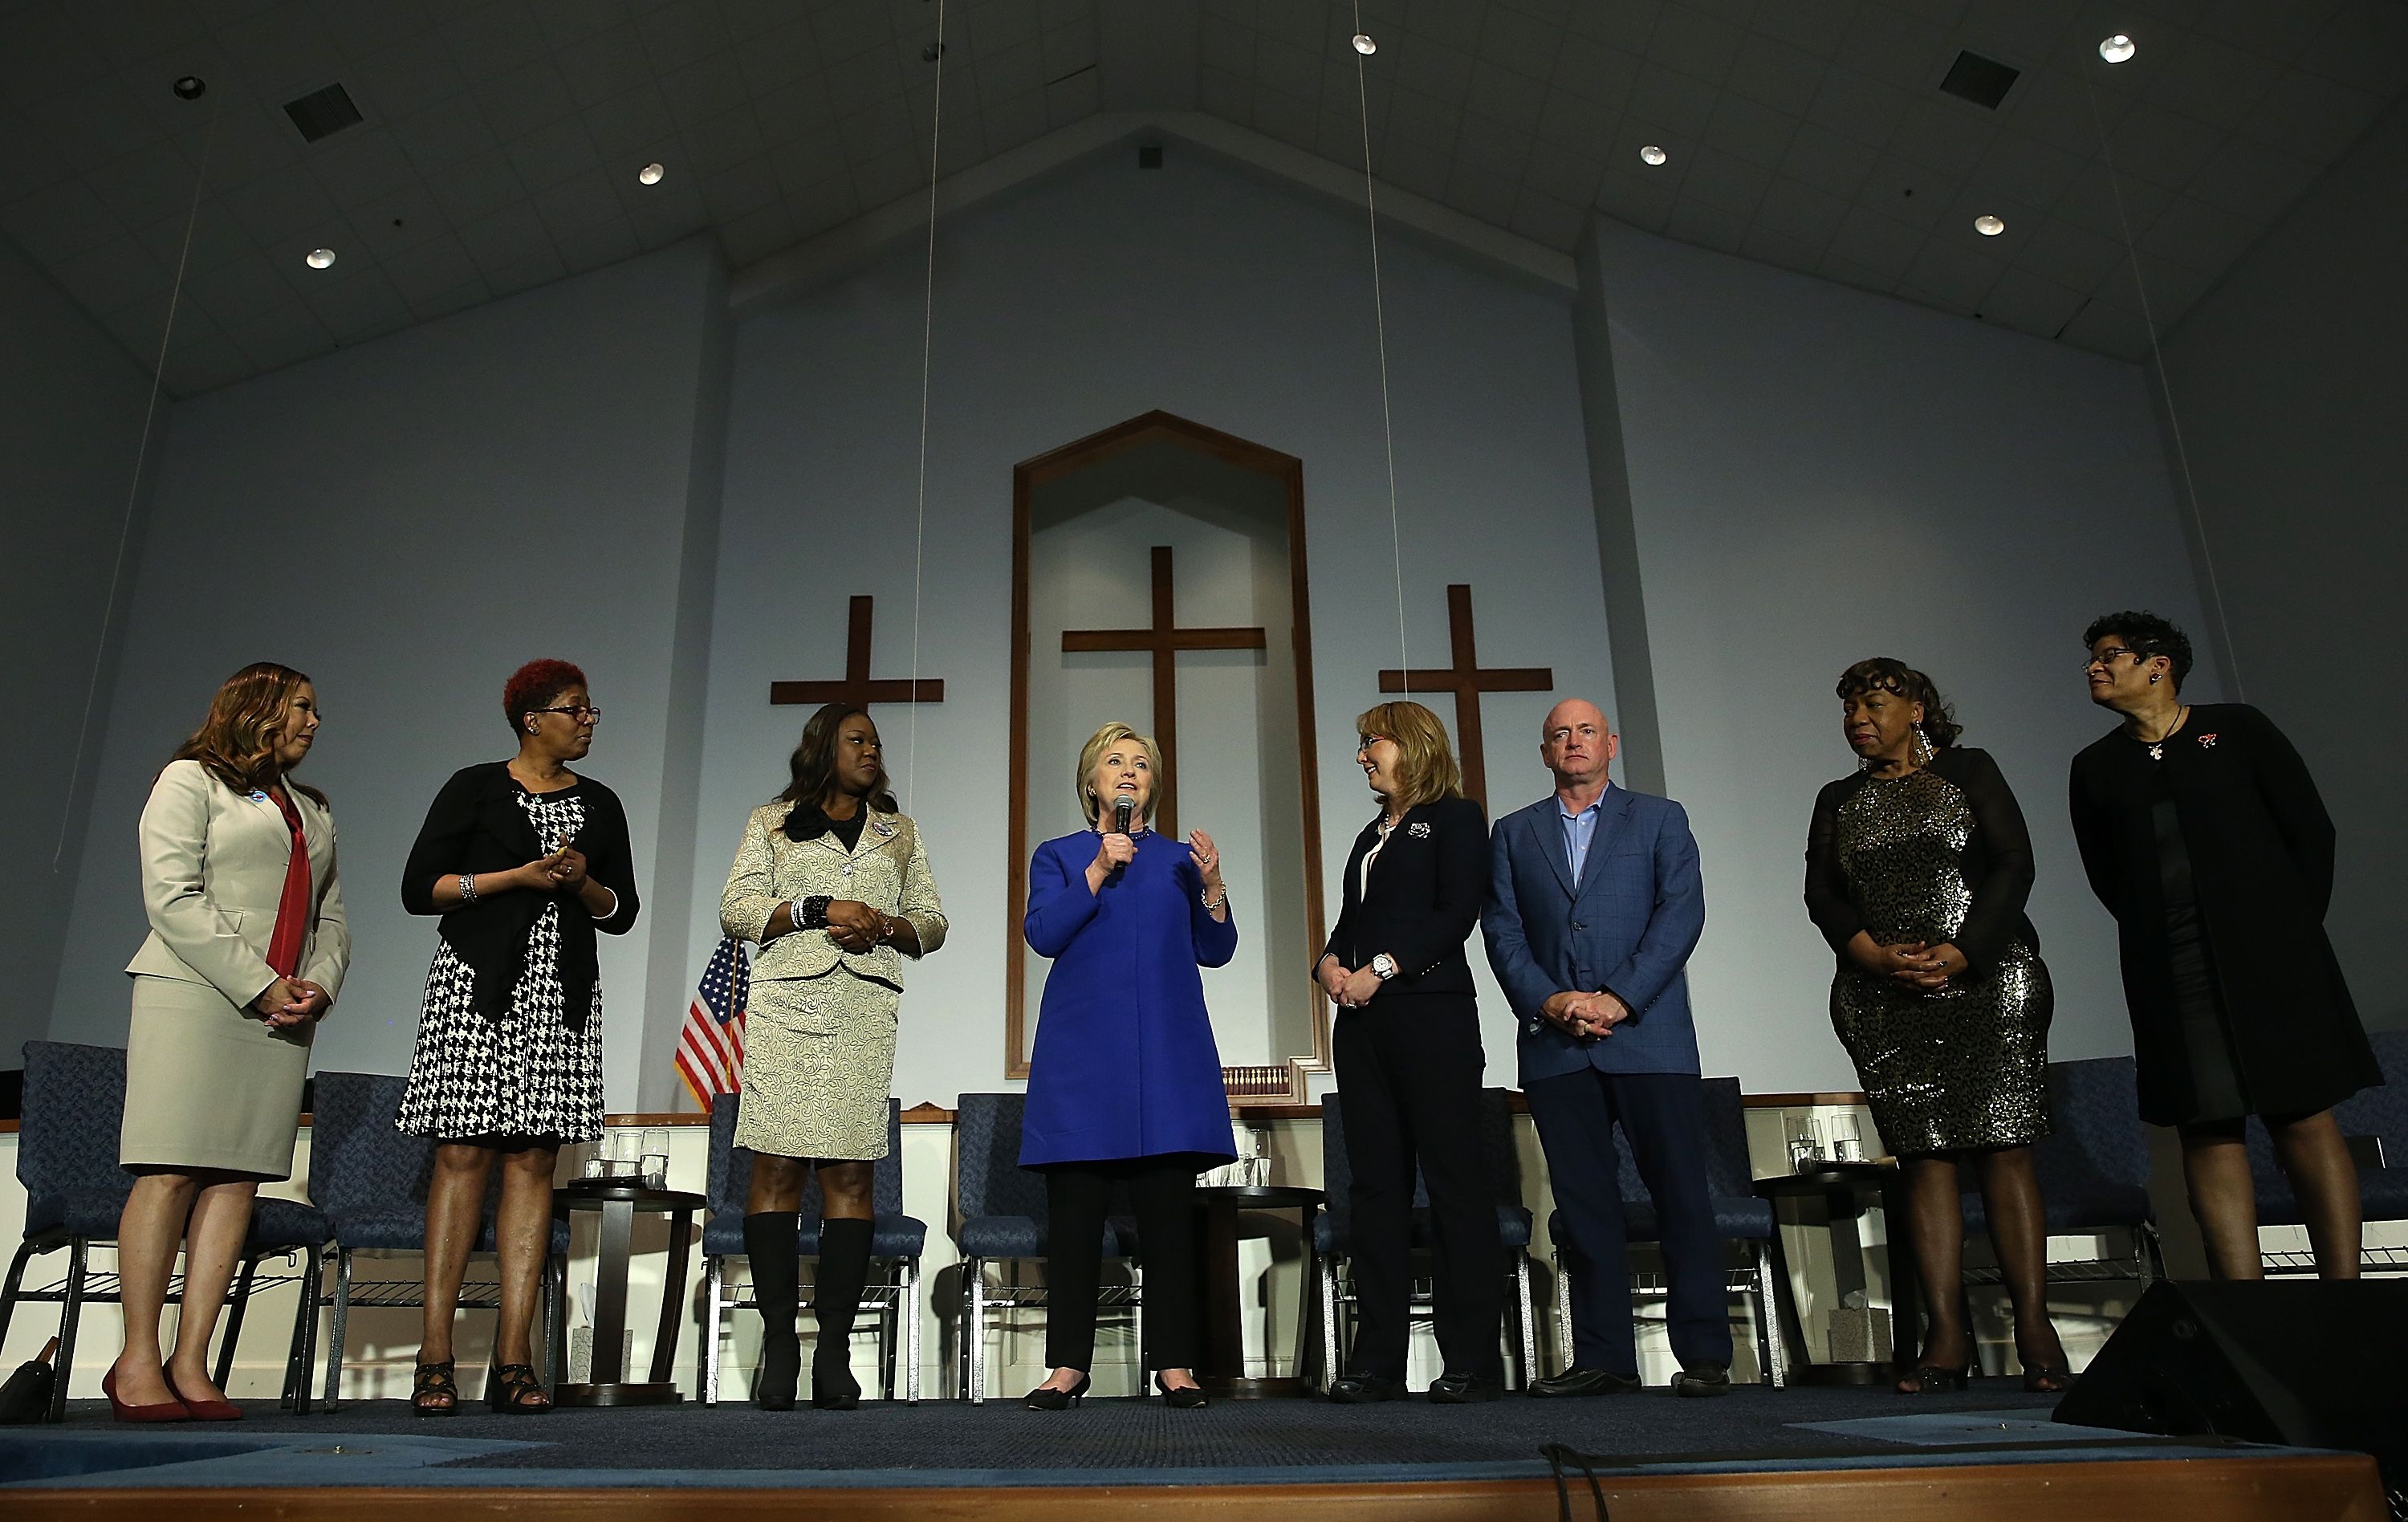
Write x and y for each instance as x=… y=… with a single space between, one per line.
x=1124 y=1083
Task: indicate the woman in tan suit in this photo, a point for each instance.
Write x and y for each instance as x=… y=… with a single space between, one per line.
x=834 y=887
x=246 y=953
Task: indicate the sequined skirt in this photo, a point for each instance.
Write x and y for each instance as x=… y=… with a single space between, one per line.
x=1964 y=1067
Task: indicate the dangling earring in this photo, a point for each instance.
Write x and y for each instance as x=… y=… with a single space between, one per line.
x=1923 y=747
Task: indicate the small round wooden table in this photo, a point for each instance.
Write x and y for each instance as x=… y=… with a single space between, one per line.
x=1842 y=1187
x=1222 y=1369
x=620 y=1202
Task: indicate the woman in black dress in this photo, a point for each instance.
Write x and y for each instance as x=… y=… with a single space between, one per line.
x=1408 y=1054
x=1917 y=867
x=525 y=860
x=2204 y=836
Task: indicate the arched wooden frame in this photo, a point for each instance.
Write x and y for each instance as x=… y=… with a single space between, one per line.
x=1246 y=1086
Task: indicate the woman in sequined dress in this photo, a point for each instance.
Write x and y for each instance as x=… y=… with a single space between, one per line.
x=1917 y=867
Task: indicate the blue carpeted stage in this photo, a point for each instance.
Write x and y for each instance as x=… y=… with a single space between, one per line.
x=1758 y=1453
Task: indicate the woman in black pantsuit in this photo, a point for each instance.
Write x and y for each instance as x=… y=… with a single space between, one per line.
x=1407 y=1046
x=2203 y=834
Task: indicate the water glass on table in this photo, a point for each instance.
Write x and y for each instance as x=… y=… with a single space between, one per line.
x=656 y=1159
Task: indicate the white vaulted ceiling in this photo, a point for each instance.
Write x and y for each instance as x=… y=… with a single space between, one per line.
x=502 y=138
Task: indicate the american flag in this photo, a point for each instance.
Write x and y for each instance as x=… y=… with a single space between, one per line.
x=710 y=1048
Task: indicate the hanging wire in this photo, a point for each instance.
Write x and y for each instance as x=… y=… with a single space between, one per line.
x=134 y=489
x=1380 y=315
x=2231 y=661
x=927 y=333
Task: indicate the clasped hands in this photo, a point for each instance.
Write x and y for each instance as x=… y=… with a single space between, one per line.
x=563 y=871
x=855 y=926
x=1585 y=1015
x=1349 y=988
x=1914 y=963
x=291 y=1001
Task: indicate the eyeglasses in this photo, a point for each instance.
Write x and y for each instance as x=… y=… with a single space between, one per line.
x=581 y=712
x=1364 y=742
x=2107 y=658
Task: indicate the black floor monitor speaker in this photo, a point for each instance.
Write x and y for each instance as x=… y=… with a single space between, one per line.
x=2308 y=1363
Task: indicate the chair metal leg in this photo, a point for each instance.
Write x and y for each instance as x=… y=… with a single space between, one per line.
x=294 y=1397
x=1523 y=1313
x=713 y=1268
x=1137 y=1319
x=232 y=1333
x=974 y=1290
x=1563 y=1314
x=1331 y=1365
x=909 y=1310
x=16 y=1281
x=79 y=1255
x=889 y=1329
x=1768 y=1321
x=341 y=1327
x=554 y=1312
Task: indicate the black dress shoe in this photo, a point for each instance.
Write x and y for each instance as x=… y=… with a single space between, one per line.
x=1465 y=1389
x=1179 y=1396
x=1045 y=1398
x=1361 y=1389
x=1705 y=1379
x=1584 y=1382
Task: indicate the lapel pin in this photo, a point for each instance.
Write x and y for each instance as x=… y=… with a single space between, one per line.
x=1418 y=830
x=881 y=827
x=2207 y=742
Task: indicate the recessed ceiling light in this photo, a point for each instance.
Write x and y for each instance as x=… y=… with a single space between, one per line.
x=1363 y=45
x=1989 y=226
x=1651 y=155
x=320 y=259
x=2116 y=48
x=651 y=174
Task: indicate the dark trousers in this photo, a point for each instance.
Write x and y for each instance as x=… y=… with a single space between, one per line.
x=1408 y=1085
x=1662 y=1117
x=1077 y=1197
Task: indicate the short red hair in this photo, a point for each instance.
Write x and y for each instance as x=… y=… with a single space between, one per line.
x=535 y=685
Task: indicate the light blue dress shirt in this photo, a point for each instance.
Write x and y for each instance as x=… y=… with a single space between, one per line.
x=1579 y=829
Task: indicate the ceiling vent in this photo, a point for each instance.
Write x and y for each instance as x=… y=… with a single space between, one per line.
x=1984 y=81
x=322 y=113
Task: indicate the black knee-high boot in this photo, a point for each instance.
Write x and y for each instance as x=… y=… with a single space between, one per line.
x=770 y=1242
x=836 y=1297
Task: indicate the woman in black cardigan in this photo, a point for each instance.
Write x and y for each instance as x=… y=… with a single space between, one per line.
x=1409 y=1059
x=525 y=860
x=2204 y=836
x=1917 y=867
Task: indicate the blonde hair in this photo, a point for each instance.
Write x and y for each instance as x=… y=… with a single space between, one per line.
x=1092 y=752
x=1425 y=762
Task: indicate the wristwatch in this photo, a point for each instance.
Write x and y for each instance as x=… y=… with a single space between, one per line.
x=1383 y=966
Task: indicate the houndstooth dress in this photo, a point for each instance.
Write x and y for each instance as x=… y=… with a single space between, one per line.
x=528 y=1074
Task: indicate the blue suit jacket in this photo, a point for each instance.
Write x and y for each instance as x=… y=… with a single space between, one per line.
x=1627 y=927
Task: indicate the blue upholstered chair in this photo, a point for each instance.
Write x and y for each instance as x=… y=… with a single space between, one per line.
x=999 y=1208
x=370 y=1180
x=2379 y=1113
x=2093 y=1169
x=1739 y=1216
x=896 y=1241
x=1333 y=1246
x=66 y=1159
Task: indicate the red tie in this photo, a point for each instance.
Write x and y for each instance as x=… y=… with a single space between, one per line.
x=292 y=907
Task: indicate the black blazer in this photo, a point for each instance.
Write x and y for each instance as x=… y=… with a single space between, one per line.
x=2261 y=858
x=1426 y=891
x=476 y=825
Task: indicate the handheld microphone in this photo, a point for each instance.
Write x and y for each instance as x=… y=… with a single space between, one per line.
x=1123 y=811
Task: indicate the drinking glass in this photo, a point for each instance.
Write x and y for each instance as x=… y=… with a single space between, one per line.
x=656 y=1159
x=1847 y=1138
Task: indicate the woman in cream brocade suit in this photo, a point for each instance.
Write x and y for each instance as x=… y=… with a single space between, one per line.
x=834 y=885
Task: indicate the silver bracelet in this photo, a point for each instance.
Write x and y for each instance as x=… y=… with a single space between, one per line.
x=468 y=889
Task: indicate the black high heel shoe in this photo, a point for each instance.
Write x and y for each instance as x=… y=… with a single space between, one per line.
x=1045 y=1398
x=1187 y=1398
x=513 y=1390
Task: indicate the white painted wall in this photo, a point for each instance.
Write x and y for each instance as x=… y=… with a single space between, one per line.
x=1817 y=475
x=2289 y=388
x=71 y=415
x=408 y=522
x=1078 y=305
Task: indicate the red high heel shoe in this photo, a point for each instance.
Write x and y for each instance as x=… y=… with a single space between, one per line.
x=164 y=1411
x=205 y=1411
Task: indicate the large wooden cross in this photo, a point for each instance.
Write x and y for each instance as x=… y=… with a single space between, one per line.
x=1466 y=680
x=856 y=688
x=1164 y=640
